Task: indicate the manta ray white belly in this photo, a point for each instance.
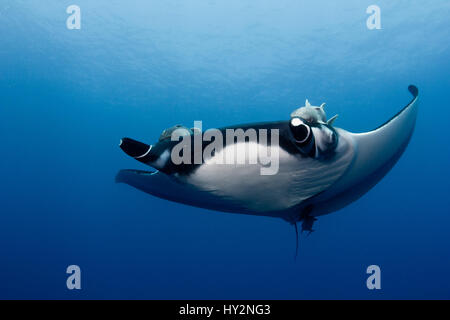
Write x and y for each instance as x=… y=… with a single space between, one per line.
x=297 y=179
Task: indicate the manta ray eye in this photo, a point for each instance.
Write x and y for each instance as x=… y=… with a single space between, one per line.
x=300 y=130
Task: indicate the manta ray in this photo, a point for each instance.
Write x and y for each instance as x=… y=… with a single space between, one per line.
x=322 y=168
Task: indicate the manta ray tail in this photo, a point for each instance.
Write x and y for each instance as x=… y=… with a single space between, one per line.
x=296 y=240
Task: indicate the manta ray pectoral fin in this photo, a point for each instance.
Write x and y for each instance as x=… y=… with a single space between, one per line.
x=377 y=151
x=385 y=144
x=167 y=187
x=163 y=186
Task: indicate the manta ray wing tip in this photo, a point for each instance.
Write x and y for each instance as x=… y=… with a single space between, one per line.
x=414 y=90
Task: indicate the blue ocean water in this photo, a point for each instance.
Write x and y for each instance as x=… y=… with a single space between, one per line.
x=137 y=67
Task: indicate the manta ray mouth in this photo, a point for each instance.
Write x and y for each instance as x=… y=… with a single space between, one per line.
x=123 y=176
x=136 y=171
